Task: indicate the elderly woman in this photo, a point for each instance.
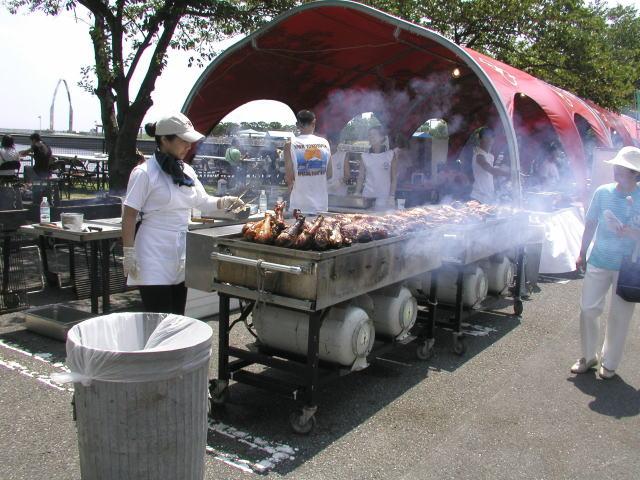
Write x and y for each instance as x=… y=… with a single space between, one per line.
x=162 y=191
x=614 y=218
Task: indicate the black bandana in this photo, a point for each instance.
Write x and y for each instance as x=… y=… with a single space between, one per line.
x=174 y=168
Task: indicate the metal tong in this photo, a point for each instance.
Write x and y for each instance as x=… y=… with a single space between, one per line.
x=234 y=204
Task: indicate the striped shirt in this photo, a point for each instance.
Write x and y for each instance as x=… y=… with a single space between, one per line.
x=608 y=248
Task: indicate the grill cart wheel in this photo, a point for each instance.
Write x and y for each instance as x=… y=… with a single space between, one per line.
x=425 y=349
x=518 y=308
x=219 y=392
x=301 y=425
x=459 y=346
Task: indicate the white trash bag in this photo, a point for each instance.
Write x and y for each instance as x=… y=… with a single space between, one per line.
x=135 y=347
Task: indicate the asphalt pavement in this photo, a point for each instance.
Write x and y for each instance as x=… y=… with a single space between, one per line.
x=509 y=408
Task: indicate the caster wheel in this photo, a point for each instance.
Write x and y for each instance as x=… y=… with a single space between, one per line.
x=299 y=425
x=12 y=299
x=425 y=350
x=518 y=308
x=219 y=393
x=459 y=347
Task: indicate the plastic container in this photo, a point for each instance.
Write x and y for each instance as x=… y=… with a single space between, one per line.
x=45 y=211
x=140 y=389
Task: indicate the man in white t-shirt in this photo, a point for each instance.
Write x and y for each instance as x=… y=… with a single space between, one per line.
x=483 y=167
x=306 y=166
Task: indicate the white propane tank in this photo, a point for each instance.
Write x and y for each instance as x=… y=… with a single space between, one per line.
x=475 y=287
x=346 y=335
x=500 y=273
x=395 y=312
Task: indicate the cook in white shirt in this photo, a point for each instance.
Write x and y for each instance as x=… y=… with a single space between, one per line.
x=483 y=170
x=163 y=190
x=377 y=174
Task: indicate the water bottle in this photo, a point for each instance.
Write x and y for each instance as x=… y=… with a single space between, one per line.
x=262 y=203
x=45 y=211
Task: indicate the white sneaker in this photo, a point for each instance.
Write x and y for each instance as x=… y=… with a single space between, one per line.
x=605 y=374
x=583 y=366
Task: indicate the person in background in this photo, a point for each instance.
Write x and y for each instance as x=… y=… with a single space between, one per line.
x=8 y=152
x=162 y=190
x=548 y=171
x=613 y=218
x=482 y=165
x=377 y=175
x=340 y=171
x=233 y=156
x=42 y=159
x=307 y=166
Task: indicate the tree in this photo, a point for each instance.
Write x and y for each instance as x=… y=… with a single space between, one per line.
x=124 y=31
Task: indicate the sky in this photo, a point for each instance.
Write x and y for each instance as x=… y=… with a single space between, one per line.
x=44 y=50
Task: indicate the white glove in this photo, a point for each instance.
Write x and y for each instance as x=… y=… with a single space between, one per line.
x=129 y=264
x=228 y=202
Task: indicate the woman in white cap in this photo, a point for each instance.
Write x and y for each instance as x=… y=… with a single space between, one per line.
x=614 y=218
x=162 y=191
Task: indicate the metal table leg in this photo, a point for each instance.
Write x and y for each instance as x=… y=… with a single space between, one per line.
x=425 y=349
x=304 y=421
x=520 y=282
x=458 y=345
x=6 y=256
x=93 y=275
x=51 y=278
x=106 y=287
x=219 y=388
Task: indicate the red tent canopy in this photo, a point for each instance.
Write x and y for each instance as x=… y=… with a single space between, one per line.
x=342 y=58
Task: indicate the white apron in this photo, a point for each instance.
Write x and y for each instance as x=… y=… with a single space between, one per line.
x=336 y=184
x=160 y=243
x=483 y=188
x=377 y=180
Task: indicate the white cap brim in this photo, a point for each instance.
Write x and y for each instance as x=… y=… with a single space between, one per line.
x=191 y=136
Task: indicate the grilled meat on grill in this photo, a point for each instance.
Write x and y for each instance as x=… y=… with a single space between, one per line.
x=305 y=239
x=289 y=235
x=265 y=233
x=342 y=230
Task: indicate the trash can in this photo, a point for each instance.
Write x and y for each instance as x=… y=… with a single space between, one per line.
x=140 y=391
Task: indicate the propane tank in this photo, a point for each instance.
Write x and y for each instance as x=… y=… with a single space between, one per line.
x=346 y=335
x=500 y=273
x=475 y=287
x=395 y=311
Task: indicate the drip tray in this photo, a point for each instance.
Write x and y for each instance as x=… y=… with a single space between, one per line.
x=54 y=320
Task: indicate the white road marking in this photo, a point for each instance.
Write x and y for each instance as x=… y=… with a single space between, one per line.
x=276 y=452
x=27 y=372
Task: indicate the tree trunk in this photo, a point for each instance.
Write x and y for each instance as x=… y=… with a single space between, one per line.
x=123 y=157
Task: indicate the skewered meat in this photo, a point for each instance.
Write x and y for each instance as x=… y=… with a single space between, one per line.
x=265 y=233
x=305 y=239
x=289 y=235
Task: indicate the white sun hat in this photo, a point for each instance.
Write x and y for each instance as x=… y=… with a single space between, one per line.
x=628 y=157
x=180 y=125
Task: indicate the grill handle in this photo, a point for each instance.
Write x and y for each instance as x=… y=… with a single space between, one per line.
x=274 y=267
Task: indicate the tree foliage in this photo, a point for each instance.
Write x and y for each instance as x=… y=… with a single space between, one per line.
x=587 y=48
x=131 y=39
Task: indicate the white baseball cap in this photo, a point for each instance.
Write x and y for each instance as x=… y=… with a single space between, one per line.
x=180 y=125
x=628 y=157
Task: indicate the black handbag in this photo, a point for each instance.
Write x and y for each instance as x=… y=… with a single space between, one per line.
x=628 y=287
